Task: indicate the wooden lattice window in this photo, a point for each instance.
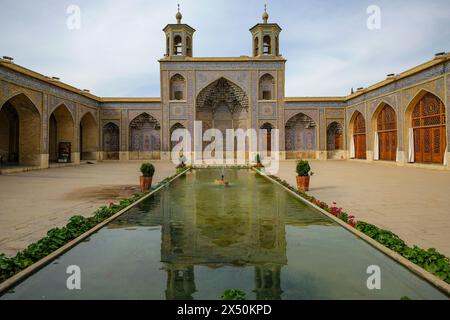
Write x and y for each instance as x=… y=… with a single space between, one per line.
x=359 y=136
x=360 y=124
x=387 y=133
x=428 y=122
x=386 y=120
x=429 y=111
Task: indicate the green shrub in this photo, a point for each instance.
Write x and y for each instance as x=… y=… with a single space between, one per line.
x=181 y=167
x=303 y=169
x=147 y=169
x=233 y=294
x=258 y=158
x=430 y=260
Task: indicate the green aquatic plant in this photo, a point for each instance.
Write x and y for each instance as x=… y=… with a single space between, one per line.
x=233 y=294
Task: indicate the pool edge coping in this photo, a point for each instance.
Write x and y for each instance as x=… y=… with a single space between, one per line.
x=22 y=275
x=417 y=270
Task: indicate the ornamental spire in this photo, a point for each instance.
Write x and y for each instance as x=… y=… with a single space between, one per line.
x=265 y=15
x=178 y=16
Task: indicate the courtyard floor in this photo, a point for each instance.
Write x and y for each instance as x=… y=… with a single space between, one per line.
x=412 y=202
x=31 y=203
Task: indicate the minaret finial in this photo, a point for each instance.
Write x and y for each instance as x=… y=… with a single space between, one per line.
x=178 y=15
x=265 y=15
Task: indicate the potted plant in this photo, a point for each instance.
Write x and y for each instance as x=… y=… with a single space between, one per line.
x=258 y=161
x=147 y=170
x=303 y=174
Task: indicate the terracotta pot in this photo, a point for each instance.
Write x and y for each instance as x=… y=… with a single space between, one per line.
x=303 y=183
x=146 y=183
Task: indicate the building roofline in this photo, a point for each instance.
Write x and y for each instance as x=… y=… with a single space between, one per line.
x=15 y=67
x=125 y=99
x=424 y=66
x=276 y=25
x=314 y=99
x=178 y=25
x=222 y=59
x=409 y=72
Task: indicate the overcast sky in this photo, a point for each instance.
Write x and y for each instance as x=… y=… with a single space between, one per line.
x=327 y=43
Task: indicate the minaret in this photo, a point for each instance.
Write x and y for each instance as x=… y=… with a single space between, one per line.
x=179 y=38
x=265 y=38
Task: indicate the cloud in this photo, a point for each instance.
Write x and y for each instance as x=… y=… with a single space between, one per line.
x=327 y=44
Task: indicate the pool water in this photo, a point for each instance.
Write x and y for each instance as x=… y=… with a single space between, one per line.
x=195 y=239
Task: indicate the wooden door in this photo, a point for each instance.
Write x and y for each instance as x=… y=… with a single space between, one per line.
x=387 y=133
x=359 y=135
x=268 y=128
x=338 y=143
x=428 y=122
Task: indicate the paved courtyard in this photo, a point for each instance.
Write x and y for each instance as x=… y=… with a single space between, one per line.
x=34 y=202
x=412 y=202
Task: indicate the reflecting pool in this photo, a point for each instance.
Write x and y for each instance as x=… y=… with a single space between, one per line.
x=195 y=239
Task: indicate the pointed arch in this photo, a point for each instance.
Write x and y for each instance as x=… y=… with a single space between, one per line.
x=223 y=105
x=300 y=136
x=20 y=131
x=22 y=94
x=225 y=90
x=88 y=137
x=335 y=133
x=267 y=87
x=177 y=87
x=174 y=127
x=145 y=137
x=111 y=141
x=358 y=131
x=61 y=134
x=65 y=107
x=385 y=124
x=267 y=141
x=425 y=127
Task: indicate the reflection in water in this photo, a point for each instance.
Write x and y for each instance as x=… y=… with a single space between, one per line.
x=194 y=239
x=207 y=225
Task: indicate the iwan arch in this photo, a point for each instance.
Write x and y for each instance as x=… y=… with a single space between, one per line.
x=402 y=119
